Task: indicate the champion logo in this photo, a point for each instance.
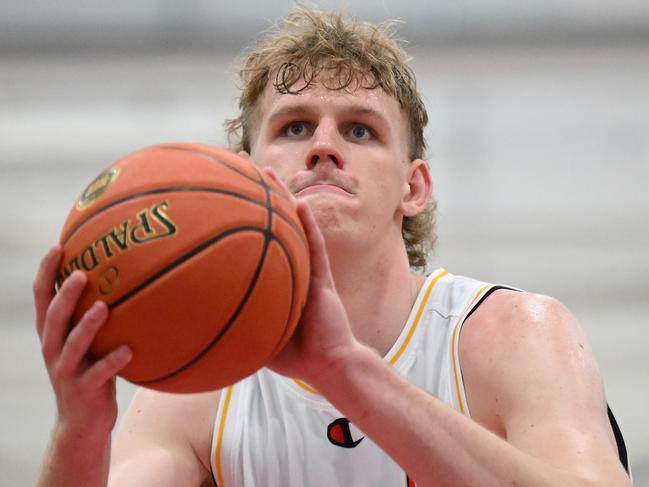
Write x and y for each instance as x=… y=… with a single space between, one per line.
x=340 y=434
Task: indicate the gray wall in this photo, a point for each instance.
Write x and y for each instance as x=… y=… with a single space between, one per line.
x=538 y=146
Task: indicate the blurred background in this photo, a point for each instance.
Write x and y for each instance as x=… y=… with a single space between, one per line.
x=538 y=140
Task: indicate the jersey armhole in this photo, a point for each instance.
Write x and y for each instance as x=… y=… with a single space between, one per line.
x=619 y=440
x=477 y=298
x=485 y=296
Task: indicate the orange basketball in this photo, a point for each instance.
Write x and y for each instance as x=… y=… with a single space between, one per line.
x=201 y=259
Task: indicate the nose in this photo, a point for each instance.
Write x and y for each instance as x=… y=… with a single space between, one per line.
x=325 y=146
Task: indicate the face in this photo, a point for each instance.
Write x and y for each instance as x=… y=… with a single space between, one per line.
x=346 y=154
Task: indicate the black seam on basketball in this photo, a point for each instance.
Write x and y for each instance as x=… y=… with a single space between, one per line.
x=280 y=194
x=267 y=232
x=168 y=189
x=214 y=158
x=209 y=156
x=171 y=189
x=292 y=269
x=234 y=315
x=272 y=210
x=269 y=206
x=188 y=255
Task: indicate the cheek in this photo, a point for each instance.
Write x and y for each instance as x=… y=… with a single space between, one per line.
x=284 y=160
x=390 y=183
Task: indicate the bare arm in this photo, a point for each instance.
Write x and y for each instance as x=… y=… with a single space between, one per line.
x=528 y=366
x=551 y=412
x=435 y=444
x=85 y=392
x=72 y=460
x=164 y=440
x=155 y=448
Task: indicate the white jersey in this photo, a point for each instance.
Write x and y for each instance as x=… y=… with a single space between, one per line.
x=273 y=431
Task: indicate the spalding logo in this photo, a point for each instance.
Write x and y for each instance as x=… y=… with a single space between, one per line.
x=97 y=187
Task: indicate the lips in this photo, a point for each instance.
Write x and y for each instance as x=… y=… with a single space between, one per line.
x=313 y=183
x=322 y=187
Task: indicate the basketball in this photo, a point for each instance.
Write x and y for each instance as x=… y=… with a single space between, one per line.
x=201 y=259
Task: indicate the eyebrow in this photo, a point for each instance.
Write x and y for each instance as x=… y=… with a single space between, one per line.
x=295 y=110
x=350 y=110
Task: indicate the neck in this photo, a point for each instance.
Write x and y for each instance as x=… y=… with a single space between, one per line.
x=378 y=292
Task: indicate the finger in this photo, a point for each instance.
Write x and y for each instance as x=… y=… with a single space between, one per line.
x=107 y=367
x=320 y=268
x=81 y=337
x=59 y=313
x=270 y=172
x=43 y=286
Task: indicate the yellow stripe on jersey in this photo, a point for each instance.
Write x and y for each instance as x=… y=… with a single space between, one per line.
x=409 y=335
x=454 y=346
x=219 y=440
x=305 y=386
x=415 y=322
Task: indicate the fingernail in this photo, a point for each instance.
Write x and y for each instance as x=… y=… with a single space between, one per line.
x=78 y=275
x=54 y=249
x=96 y=309
x=126 y=352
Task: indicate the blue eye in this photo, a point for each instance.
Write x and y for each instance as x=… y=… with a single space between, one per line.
x=360 y=132
x=295 y=129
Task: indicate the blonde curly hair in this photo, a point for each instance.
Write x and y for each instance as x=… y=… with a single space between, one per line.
x=313 y=46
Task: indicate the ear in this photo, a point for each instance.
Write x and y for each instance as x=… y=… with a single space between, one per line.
x=418 y=188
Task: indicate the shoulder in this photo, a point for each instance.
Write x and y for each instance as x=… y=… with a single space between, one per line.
x=518 y=344
x=508 y=319
x=531 y=377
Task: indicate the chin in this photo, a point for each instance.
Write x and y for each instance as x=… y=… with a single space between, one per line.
x=326 y=214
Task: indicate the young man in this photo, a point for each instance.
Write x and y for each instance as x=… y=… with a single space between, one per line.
x=392 y=378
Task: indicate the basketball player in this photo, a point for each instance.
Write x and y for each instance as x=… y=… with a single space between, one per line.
x=393 y=377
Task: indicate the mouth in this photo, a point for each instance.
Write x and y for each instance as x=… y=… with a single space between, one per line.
x=323 y=187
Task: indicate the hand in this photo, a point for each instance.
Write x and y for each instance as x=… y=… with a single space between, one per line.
x=85 y=391
x=323 y=335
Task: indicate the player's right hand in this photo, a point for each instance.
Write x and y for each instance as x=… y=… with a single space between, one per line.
x=85 y=390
